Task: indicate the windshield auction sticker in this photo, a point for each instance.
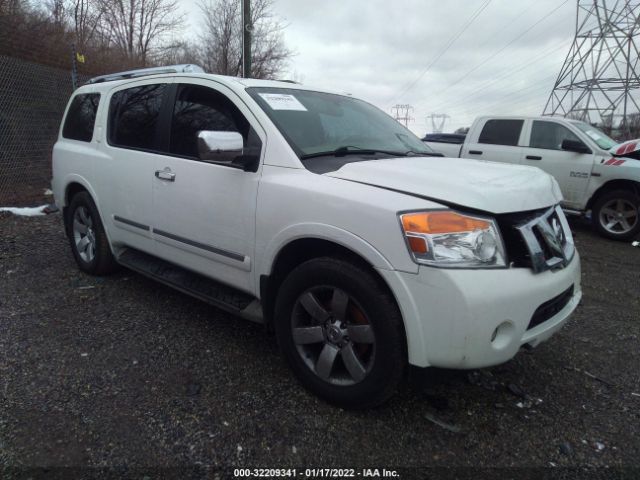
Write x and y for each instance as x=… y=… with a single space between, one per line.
x=279 y=101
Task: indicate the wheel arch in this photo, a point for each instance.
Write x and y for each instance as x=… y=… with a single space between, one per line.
x=617 y=184
x=302 y=249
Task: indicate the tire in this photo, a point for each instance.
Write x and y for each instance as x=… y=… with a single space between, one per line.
x=87 y=238
x=349 y=345
x=616 y=215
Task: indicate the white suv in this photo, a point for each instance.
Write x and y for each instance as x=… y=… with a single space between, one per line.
x=319 y=215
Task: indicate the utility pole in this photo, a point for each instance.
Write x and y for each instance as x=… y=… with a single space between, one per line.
x=600 y=78
x=247 y=27
x=74 y=67
x=401 y=113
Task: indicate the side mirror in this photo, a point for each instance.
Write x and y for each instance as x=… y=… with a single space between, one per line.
x=219 y=146
x=575 y=146
x=228 y=148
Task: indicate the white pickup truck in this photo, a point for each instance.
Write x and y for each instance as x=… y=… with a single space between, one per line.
x=318 y=215
x=595 y=173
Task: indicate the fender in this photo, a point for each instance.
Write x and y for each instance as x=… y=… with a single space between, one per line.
x=75 y=178
x=323 y=232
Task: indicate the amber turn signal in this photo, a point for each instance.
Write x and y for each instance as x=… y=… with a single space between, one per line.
x=441 y=222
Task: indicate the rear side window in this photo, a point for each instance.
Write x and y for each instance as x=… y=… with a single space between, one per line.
x=81 y=117
x=501 y=132
x=199 y=108
x=133 y=117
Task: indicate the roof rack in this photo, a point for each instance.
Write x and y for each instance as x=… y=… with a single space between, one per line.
x=142 y=72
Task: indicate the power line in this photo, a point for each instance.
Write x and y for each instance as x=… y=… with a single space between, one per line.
x=448 y=45
x=497 y=80
x=493 y=55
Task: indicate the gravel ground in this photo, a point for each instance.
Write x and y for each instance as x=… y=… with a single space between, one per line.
x=122 y=371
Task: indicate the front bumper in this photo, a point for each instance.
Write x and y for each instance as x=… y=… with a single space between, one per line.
x=477 y=318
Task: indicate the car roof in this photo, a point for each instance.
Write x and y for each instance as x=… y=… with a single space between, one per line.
x=235 y=83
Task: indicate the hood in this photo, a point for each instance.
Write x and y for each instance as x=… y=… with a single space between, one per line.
x=481 y=185
x=629 y=149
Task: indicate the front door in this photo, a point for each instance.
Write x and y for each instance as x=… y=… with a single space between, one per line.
x=571 y=170
x=204 y=212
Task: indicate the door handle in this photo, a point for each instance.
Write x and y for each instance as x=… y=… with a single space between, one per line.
x=475 y=152
x=533 y=157
x=166 y=174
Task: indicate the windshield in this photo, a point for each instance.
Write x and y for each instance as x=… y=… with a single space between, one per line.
x=603 y=141
x=315 y=123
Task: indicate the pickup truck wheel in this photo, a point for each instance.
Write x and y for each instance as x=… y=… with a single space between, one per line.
x=616 y=215
x=87 y=237
x=341 y=332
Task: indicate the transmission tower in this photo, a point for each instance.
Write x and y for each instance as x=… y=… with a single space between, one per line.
x=437 y=121
x=401 y=113
x=598 y=82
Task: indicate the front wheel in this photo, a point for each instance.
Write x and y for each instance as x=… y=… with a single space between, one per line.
x=341 y=332
x=616 y=215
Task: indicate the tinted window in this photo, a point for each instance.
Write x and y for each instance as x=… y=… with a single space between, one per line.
x=550 y=135
x=81 y=117
x=501 y=132
x=200 y=108
x=133 y=116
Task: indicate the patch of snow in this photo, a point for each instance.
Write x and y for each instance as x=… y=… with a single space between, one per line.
x=48 y=192
x=635 y=244
x=25 y=211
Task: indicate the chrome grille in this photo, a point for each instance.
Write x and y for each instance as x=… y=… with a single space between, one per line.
x=548 y=240
x=526 y=237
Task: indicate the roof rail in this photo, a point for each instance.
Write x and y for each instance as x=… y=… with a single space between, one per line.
x=142 y=72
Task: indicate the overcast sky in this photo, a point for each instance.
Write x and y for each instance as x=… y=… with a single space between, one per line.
x=502 y=57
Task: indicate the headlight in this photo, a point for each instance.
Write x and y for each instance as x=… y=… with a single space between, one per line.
x=444 y=238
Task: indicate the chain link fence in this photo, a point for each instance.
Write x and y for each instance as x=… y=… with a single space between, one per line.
x=32 y=101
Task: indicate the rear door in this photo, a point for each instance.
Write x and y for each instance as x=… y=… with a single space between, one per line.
x=204 y=212
x=571 y=170
x=125 y=172
x=499 y=140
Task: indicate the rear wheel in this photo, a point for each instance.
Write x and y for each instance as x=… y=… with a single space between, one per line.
x=341 y=332
x=616 y=215
x=87 y=237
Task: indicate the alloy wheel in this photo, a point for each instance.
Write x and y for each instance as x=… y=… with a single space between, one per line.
x=333 y=336
x=618 y=216
x=84 y=234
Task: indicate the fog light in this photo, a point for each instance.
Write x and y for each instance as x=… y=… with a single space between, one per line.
x=494 y=334
x=503 y=335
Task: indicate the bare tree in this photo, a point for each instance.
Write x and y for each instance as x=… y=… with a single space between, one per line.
x=11 y=7
x=179 y=52
x=57 y=10
x=221 y=42
x=138 y=27
x=87 y=15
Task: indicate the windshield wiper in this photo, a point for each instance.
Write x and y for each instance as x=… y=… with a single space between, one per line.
x=350 y=150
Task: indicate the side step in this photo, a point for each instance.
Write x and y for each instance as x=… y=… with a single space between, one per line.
x=215 y=293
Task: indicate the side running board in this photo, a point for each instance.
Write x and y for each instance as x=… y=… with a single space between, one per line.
x=215 y=293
